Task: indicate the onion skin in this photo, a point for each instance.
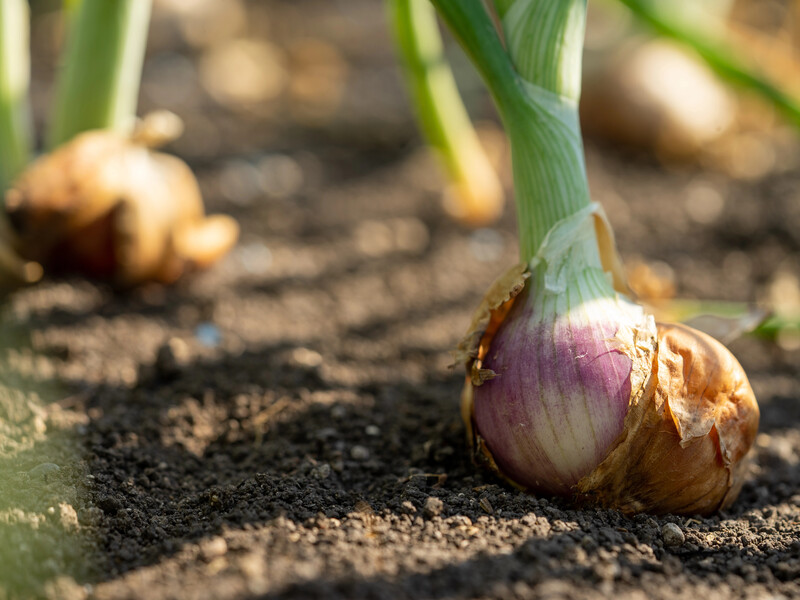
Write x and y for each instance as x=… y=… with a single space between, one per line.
x=687 y=424
x=683 y=449
x=107 y=206
x=550 y=446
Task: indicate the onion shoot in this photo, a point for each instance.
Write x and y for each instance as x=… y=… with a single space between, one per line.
x=475 y=194
x=99 y=85
x=572 y=388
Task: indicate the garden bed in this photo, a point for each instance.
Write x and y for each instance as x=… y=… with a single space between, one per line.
x=286 y=425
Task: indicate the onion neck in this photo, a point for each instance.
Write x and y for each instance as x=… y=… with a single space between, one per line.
x=15 y=122
x=544 y=39
x=534 y=74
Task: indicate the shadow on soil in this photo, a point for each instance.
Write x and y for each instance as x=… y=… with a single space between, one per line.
x=244 y=439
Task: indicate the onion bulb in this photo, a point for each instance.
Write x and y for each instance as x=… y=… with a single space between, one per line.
x=106 y=205
x=572 y=389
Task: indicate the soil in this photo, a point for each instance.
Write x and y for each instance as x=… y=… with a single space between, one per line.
x=286 y=425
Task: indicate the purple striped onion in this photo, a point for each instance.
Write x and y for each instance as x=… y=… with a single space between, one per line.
x=572 y=389
x=562 y=388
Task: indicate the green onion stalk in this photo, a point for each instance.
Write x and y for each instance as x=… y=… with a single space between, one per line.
x=475 y=195
x=731 y=320
x=99 y=85
x=71 y=6
x=16 y=138
x=572 y=388
x=15 y=123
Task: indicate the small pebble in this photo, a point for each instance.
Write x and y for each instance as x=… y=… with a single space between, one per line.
x=256 y=258
x=68 y=517
x=326 y=433
x=486 y=505
x=213 y=548
x=408 y=507
x=64 y=587
x=238 y=182
x=433 y=507
x=321 y=471
x=359 y=453
x=109 y=505
x=280 y=176
x=39 y=425
x=44 y=470
x=672 y=534
x=171 y=356
x=372 y=430
x=252 y=567
x=306 y=358
x=208 y=334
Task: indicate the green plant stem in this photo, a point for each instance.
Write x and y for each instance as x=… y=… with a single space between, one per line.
x=776 y=325
x=71 y=6
x=725 y=61
x=70 y=9
x=502 y=6
x=475 y=31
x=440 y=111
x=741 y=317
x=536 y=84
x=99 y=86
x=15 y=125
x=545 y=42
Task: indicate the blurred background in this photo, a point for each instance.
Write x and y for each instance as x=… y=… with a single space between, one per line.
x=281 y=99
x=335 y=315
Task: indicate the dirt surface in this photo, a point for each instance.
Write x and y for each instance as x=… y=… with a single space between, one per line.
x=286 y=425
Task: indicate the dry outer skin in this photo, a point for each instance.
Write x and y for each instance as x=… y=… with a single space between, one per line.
x=691 y=420
x=109 y=207
x=609 y=255
x=473 y=347
x=491 y=312
x=688 y=437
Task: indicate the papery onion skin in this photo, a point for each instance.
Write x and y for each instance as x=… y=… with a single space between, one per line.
x=684 y=447
x=107 y=206
x=560 y=396
x=684 y=436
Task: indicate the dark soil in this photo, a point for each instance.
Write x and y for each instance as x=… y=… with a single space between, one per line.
x=286 y=425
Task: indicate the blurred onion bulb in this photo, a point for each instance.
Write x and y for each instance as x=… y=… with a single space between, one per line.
x=106 y=205
x=572 y=389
